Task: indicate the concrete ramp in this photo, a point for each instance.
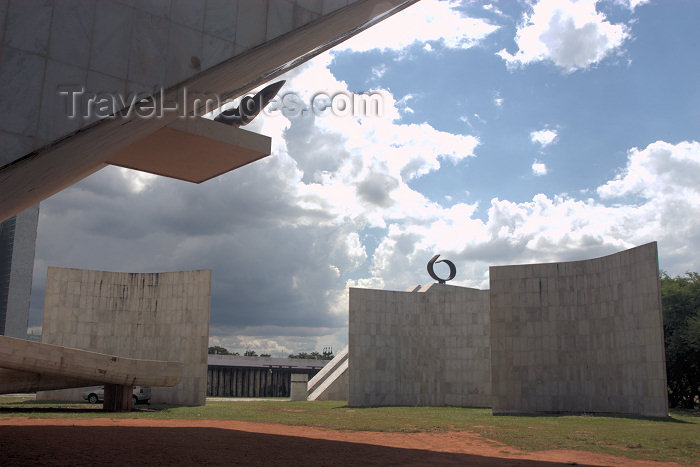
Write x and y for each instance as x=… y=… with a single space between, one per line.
x=33 y=366
x=331 y=383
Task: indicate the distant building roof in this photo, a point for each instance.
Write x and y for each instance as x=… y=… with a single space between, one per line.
x=266 y=362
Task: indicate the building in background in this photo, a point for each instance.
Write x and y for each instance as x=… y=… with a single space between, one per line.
x=17 y=245
x=238 y=376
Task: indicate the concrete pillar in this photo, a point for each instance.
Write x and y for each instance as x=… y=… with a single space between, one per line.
x=297 y=391
x=118 y=398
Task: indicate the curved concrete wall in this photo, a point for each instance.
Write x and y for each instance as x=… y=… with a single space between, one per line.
x=427 y=347
x=582 y=336
x=152 y=316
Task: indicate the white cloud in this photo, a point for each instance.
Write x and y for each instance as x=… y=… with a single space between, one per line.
x=661 y=171
x=378 y=71
x=497 y=99
x=539 y=168
x=631 y=4
x=569 y=33
x=492 y=8
x=543 y=137
x=427 y=21
x=402 y=104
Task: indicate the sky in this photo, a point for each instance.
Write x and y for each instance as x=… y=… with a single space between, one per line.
x=510 y=132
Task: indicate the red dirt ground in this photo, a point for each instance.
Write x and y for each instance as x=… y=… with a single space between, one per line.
x=108 y=441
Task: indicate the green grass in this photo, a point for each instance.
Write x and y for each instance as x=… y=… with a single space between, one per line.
x=675 y=439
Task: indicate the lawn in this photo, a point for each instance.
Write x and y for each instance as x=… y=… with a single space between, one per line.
x=674 y=439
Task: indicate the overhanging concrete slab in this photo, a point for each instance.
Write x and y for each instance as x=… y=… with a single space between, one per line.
x=64 y=362
x=61 y=163
x=13 y=381
x=193 y=150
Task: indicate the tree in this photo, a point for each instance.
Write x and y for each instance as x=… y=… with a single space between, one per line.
x=250 y=353
x=327 y=355
x=680 y=298
x=218 y=350
x=265 y=355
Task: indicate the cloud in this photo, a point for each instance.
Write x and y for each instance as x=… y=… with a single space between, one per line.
x=661 y=171
x=376 y=188
x=492 y=8
x=539 y=168
x=428 y=22
x=631 y=4
x=569 y=33
x=402 y=104
x=543 y=137
x=497 y=99
x=378 y=71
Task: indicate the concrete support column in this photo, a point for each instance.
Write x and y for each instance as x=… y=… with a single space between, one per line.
x=298 y=388
x=118 y=398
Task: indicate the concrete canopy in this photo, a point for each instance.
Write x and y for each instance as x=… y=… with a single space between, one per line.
x=193 y=150
x=66 y=367
x=70 y=157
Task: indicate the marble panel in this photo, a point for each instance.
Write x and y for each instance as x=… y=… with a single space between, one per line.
x=188 y=13
x=111 y=43
x=280 y=18
x=184 y=54
x=13 y=146
x=215 y=50
x=149 y=41
x=71 y=32
x=58 y=116
x=330 y=6
x=221 y=18
x=28 y=25
x=251 y=24
x=21 y=74
x=153 y=7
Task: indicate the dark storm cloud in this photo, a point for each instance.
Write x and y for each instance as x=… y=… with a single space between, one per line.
x=315 y=152
x=376 y=188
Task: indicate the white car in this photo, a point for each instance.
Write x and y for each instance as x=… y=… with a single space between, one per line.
x=97 y=394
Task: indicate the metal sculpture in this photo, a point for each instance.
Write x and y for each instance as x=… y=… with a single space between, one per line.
x=453 y=269
x=250 y=107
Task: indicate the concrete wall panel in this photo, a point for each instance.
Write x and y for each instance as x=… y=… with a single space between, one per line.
x=428 y=347
x=582 y=336
x=155 y=316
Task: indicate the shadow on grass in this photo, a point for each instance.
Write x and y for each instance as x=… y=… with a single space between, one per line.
x=72 y=408
x=669 y=419
x=97 y=445
x=686 y=412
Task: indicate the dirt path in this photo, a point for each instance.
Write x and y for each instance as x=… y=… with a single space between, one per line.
x=108 y=441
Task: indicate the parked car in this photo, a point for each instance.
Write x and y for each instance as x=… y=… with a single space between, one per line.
x=141 y=394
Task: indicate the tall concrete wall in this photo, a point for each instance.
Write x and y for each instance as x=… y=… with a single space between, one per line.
x=155 y=316
x=17 y=245
x=582 y=336
x=119 y=46
x=427 y=347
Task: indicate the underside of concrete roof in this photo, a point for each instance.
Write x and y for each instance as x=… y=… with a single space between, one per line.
x=172 y=54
